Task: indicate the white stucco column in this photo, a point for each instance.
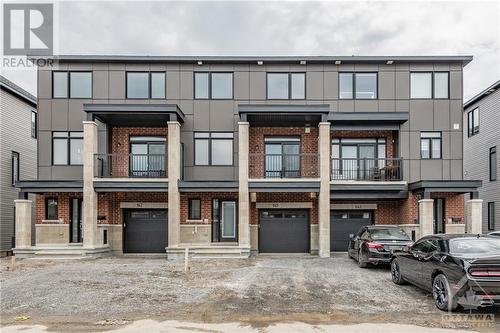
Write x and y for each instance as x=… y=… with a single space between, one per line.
x=426 y=216
x=474 y=208
x=174 y=174
x=23 y=223
x=324 y=190
x=243 y=195
x=90 y=236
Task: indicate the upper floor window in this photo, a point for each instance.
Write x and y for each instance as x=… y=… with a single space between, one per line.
x=493 y=163
x=358 y=85
x=213 y=148
x=286 y=85
x=145 y=85
x=215 y=85
x=426 y=85
x=473 y=122
x=67 y=148
x=14 y=168
x=34 y=124
x=430 y=145
x=72 y=84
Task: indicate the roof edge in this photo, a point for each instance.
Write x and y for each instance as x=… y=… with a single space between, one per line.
x=482 y=94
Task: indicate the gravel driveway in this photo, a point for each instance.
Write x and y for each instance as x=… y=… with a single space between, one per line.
x=114 y=291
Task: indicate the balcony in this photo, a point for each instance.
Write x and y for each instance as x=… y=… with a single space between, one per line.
x=122 y=165
x=367 y=169
x=283 y=166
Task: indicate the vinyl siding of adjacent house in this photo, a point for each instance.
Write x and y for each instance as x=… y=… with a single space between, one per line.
x=15 y=135
x=477 y=153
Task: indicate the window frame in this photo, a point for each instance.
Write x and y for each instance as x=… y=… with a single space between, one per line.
x=34 y=124
x=15 y=170
x=433 y=85
x=68 y=139
x=210 y=94
x=471 y=124
x=149 y=85
x=68 y=87
x=47 y=208
x=491 y=161
x=209 y=139
x=289 y=84
x=491 y=216
x=431 y=155
x=353 y=87
x=190 y=202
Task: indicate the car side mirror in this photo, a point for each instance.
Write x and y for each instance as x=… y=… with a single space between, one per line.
x=351 y=236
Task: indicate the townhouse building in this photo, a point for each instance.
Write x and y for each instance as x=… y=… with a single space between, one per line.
x=231 y=155
x=481 y=142
x=18 y=153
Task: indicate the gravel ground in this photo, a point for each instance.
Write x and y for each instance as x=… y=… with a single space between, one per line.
x=106 y=293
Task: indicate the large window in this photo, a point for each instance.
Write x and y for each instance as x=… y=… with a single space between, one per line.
x=194 y=209
x=286 y=85
x=491 y=216
x=358 y=85
x=213 y=148
x=430 y=145
x=148 y=156
x=145 y=85
x=282 y=157
x=51 y=209
x=72 y=84
x=14 y=168
x=215 y=85
x=426 y=85
x=67 y=148
x=493 y=163
x=34 y=124
x=473 y=122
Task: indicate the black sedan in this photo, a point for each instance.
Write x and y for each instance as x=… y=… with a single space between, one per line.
x=459 y=270
x=374 y=244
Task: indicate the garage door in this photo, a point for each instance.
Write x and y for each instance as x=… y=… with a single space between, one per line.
x=343 y=223
x=145 y=231
x=284 y=231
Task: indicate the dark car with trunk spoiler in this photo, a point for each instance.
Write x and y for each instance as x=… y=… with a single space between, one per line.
x=374 y=244
x=459 y=270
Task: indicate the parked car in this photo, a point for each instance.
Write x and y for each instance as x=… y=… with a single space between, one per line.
x=459 y=270
x=494 y=233
x=374 y=244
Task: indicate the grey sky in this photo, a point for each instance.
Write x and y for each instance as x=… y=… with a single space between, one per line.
x=285 y=28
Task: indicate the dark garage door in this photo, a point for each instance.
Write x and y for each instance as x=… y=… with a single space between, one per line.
x=145 y=231
x=284 y=231
x=343 y=223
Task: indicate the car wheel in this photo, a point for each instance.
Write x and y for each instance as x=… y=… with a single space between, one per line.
x=362 y=260
x=441 y=292
x=397 y=278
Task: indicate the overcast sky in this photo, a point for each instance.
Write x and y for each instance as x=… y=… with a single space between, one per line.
x=285 y=28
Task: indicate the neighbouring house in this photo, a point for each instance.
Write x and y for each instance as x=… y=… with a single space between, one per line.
x=481 y=142
x=225 y=156
x=18 y=150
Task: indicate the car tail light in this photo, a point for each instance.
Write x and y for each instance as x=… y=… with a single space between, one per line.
x=484 y=272
x=374 y=245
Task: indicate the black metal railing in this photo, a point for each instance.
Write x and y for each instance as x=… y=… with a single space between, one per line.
x=373 y=169
x=130 y=165
x=284 y=165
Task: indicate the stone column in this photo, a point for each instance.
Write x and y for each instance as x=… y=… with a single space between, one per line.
x=23 y=223
x=426 y=216
x=243 y=195
x=474 y=209
x=324 y=190
x=90 y=236
x=174 y=174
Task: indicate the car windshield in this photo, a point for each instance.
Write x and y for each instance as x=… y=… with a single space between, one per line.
x=389 y=233
x=472 y=247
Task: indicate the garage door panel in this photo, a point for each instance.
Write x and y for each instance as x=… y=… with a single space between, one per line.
x=284 y=231
x=146 y=231
x=342 y=224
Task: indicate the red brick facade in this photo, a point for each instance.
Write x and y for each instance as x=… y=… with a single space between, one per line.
x=63 y=205
x=284 y=197
x=206 y=205
x=308 y=146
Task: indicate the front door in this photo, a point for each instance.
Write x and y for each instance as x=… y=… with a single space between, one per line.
x=439 y=216
x=76 y=231
x=224 y=221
